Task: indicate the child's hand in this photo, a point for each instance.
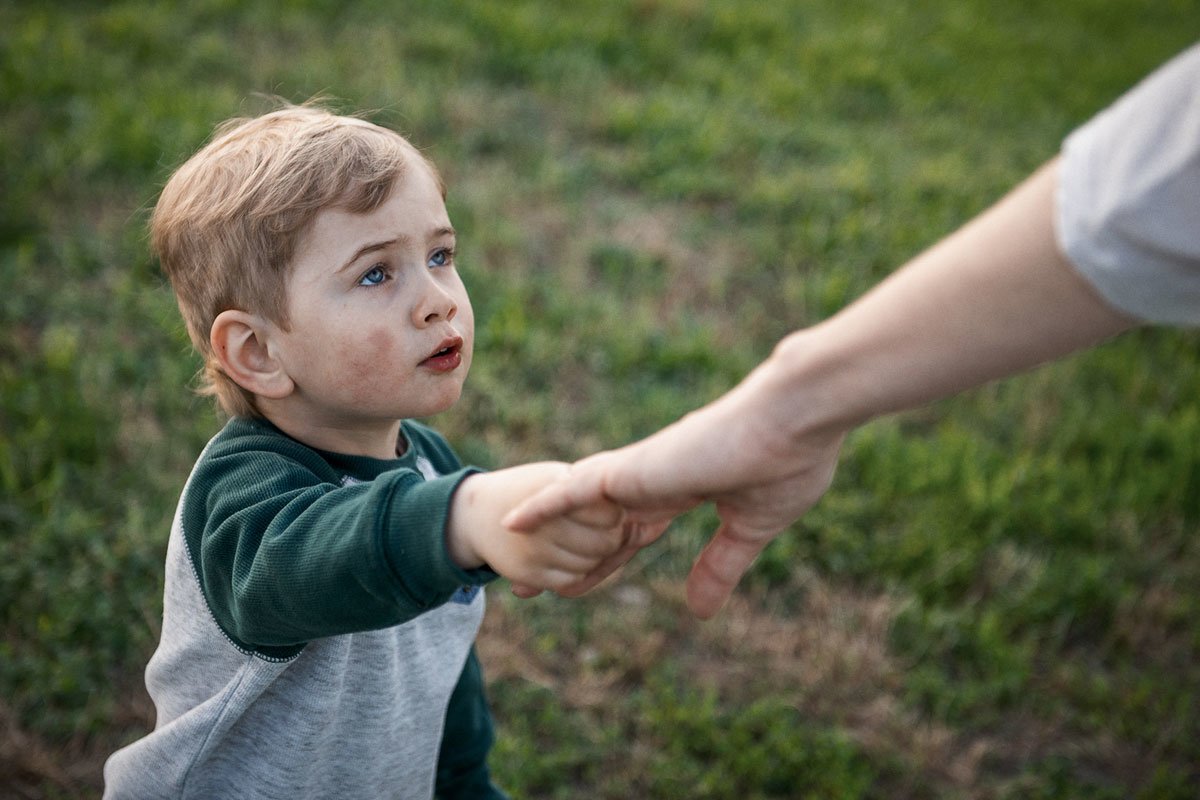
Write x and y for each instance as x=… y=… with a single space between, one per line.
x=638 y=534
x=567 y=555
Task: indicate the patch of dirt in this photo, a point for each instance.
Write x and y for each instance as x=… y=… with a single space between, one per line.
x=829 y=658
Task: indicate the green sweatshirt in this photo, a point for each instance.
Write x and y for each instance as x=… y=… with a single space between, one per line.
x=317 y=641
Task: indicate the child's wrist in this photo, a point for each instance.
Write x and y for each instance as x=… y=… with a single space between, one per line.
x=462 y=555
x=459 y=546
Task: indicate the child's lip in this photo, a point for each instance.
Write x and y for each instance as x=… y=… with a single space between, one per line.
x=447 y=355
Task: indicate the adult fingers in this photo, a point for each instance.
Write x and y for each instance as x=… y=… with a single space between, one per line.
x=570 y=493
x=717 y=570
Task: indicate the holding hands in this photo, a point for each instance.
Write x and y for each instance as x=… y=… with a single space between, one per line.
x=727 y=453
x=567 y=554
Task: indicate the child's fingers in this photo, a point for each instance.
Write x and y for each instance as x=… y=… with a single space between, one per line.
x=595 y=532
x=601 y=572
x=592 y=542
x=570 y=562
x=615 y=551
x=561 y=582
x=599 y=514
x=524 y=592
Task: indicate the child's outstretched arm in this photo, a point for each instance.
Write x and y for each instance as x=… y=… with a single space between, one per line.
x=567 y=555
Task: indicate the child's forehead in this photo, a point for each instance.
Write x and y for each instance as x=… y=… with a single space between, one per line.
x=416 y=187
x=413 y=211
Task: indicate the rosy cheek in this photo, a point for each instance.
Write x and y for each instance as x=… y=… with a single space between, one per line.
x=365 y=365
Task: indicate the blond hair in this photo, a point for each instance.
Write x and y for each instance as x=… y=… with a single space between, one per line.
x=227 y=224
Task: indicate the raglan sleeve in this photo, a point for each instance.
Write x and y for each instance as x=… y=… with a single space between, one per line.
x=285 y=556
x=462 y=772
x=1128 y=205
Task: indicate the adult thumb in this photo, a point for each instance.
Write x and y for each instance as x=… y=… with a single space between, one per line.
x=718 y=569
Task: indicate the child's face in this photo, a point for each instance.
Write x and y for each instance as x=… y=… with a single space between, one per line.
x=381 y=325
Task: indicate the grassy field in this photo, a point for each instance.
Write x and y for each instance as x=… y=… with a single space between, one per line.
x=1000 y=597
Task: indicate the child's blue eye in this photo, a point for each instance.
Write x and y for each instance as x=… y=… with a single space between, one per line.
x=441 y=258
x=374 y=277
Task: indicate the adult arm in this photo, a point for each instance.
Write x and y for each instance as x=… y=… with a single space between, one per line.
x=993 y=299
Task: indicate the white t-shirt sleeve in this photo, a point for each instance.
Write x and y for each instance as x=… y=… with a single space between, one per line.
x=1128 y=208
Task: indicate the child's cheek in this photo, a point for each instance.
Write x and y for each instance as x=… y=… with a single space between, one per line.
x=366 y=366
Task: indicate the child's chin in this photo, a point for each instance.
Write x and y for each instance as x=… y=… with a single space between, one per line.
x=444 y=402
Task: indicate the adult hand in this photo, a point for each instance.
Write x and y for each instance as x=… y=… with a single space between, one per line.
x=562 y=554
x=728 y=453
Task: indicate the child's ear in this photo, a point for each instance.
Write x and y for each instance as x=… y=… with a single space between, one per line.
x=240 y=343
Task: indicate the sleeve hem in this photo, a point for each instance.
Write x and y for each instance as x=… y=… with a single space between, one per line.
x=413 y=542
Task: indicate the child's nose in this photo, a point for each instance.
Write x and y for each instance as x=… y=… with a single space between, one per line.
x=436 y=304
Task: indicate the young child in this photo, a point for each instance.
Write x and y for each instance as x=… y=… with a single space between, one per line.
x=325 y=563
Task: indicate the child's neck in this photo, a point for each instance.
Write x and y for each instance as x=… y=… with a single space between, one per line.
x=380 y=440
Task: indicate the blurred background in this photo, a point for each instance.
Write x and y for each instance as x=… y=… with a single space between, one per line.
x=999 y=598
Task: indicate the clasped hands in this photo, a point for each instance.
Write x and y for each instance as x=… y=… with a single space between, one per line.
x=736 y=453
x=651 y=483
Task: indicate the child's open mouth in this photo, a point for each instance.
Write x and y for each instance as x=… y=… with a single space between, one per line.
x=447 y=357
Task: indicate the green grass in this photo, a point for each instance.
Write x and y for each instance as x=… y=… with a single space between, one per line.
x=997 y=599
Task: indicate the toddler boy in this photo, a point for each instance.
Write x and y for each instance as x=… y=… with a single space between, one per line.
x=325 y=562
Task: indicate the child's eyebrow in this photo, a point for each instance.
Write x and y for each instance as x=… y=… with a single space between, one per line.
x=370 y=248
x=383 y=245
